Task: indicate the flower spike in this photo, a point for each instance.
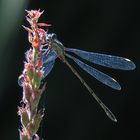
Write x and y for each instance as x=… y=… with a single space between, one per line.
x=31 y=78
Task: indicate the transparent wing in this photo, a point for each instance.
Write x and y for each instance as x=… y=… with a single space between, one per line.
x=105 y=79
x=48 y=67
x=110 y=61
x=48 y=61
x=104 y=107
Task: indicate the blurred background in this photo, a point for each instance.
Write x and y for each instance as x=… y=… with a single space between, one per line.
x=104 y=26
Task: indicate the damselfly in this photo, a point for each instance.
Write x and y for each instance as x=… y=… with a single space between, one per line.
x=57 y=50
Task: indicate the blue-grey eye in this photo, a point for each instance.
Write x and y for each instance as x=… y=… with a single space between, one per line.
x=53 y=36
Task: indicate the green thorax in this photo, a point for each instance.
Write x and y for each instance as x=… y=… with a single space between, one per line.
x=58 y=47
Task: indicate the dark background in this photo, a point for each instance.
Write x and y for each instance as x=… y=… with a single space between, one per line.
x=104 y=26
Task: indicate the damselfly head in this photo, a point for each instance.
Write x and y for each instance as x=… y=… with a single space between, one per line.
x=51 y=37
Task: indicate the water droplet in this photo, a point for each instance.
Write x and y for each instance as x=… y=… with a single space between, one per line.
x=20 y=80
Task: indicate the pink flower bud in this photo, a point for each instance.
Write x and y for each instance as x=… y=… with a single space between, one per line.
x=39 y=64
x=34 y=14
x=35 y=123
x=27 y=91
x=24 y=134
x=30 y=70
x=22 y=112
x=35 y=100
x=29 y=56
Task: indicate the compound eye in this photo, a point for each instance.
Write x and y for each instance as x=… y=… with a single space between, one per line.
x=51 y=37
x=54 y=36
x=48 y=37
